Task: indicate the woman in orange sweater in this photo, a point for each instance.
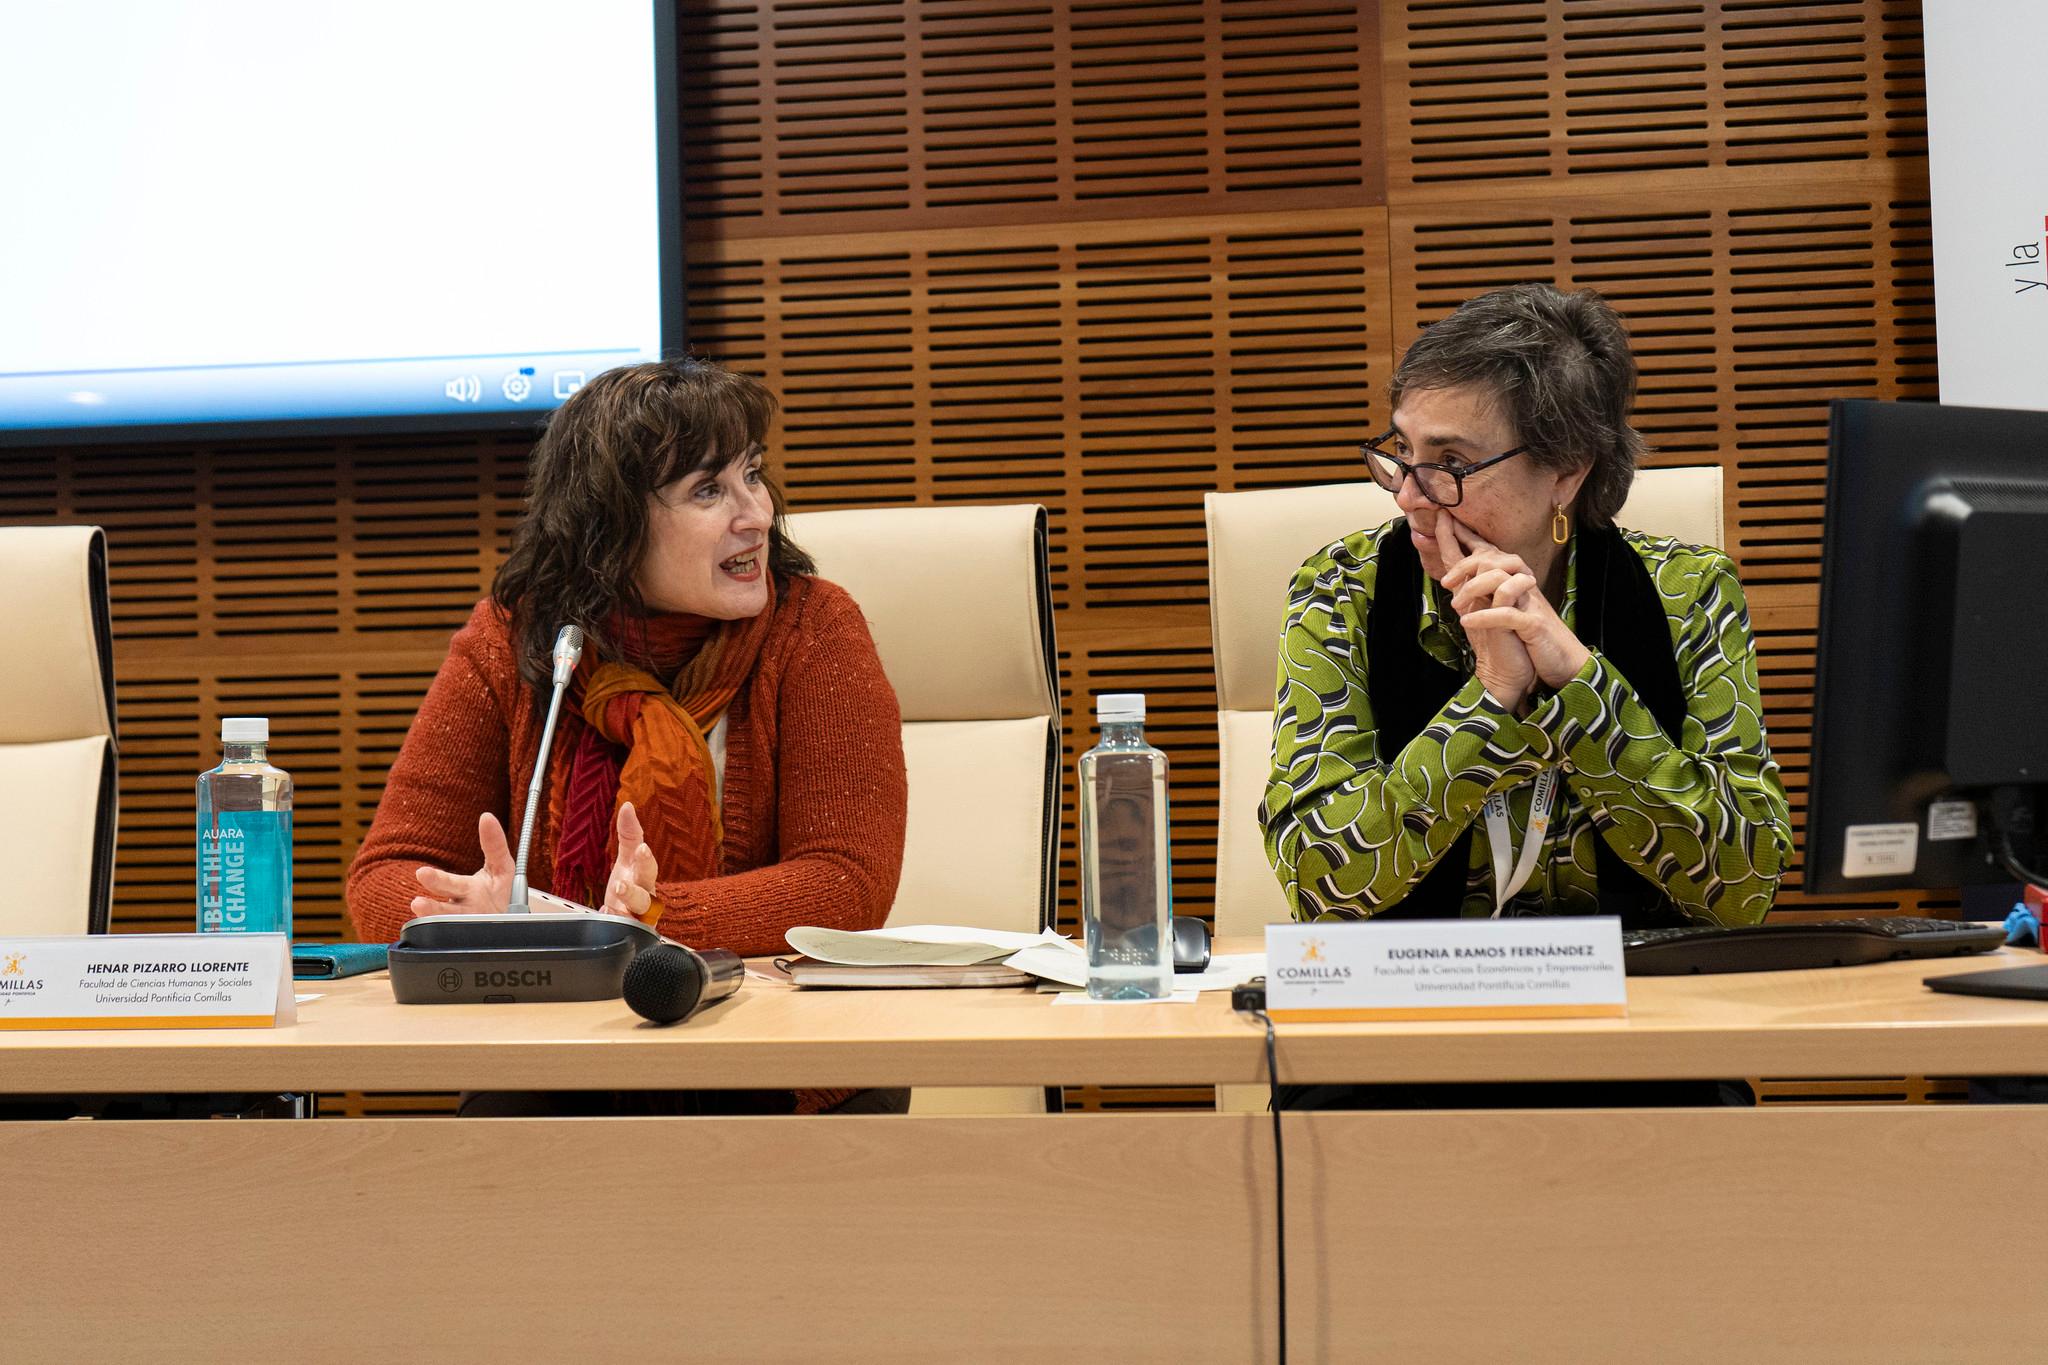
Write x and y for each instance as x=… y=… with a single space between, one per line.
x=729 y=760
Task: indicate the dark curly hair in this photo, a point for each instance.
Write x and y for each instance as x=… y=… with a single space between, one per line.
x=604 y=453
x=1560 y=366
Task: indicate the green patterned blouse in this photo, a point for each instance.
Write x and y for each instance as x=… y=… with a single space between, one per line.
x=1349 y=834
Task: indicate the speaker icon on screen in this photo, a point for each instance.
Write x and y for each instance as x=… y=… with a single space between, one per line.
x=464 y=388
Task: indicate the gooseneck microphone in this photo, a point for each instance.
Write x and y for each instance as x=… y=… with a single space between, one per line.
x=568 y=649
x=568 y=953
x=668 y=982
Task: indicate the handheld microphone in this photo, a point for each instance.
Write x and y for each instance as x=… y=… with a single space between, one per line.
x=668 y=983
x=568 y=649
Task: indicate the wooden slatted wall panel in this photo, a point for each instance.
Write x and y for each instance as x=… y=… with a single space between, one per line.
x=1114 y=373
x=1569 y=91
x=1101 y=256
x=311 y=582
x=872 y=117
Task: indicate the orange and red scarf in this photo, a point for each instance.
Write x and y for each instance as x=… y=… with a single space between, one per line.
x=644 y=742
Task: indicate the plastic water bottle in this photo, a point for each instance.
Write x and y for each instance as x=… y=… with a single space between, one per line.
x=1126 y=867
x=245 y=836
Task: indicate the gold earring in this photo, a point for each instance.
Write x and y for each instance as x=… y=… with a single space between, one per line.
x=1560 y=528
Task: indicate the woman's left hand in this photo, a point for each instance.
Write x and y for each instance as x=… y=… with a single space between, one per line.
x=1556 y=653
x=629 y=890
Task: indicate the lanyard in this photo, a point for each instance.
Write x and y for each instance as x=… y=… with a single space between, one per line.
x=1500 y=834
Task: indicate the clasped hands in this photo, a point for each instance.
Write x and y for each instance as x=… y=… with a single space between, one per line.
x=628 y=890
x=1517 y=637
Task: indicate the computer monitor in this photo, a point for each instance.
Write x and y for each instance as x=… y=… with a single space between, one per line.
x=1930 y=734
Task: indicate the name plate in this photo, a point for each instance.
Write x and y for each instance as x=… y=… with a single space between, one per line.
x=1547 y=968
x=146 y=981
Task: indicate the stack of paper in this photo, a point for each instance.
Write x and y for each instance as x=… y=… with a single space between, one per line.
x=948 y=954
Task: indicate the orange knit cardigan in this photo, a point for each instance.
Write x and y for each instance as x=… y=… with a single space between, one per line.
x=813 y=800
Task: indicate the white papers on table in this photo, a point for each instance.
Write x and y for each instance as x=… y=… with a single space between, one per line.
x=1061 y=960
x=1045 y=954
x=914 y=945
x=1224 y=972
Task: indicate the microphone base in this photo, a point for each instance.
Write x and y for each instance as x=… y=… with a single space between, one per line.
x=514 y=959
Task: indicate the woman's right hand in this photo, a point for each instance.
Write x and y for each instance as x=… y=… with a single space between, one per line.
x=1500 y=659
x=482 y=892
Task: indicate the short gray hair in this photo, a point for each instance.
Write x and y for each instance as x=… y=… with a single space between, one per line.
x=1559 y=365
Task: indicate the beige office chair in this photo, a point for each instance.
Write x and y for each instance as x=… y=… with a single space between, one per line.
x=1256 y=543
x=57 y=739
x=960 y=603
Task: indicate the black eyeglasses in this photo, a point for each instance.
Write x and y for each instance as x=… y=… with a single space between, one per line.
x=1442 y=484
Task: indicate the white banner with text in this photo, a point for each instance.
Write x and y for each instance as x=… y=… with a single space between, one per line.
x=1988 y=164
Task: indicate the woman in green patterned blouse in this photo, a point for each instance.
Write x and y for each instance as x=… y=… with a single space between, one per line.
x=1505 y=648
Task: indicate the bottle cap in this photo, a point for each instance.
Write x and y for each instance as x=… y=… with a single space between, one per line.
x=1119 y=708
x=245 y=730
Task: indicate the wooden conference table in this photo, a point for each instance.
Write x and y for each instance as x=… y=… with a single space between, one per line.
x=1799 y=1234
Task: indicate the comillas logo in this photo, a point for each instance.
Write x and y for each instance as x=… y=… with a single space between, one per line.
x=1314 y=968
x=2029 y=265
x=14 y=974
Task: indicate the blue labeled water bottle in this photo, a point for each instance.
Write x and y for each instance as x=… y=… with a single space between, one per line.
x=245 y=836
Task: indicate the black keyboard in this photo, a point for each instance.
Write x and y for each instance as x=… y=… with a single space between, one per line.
x=1795 y=946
